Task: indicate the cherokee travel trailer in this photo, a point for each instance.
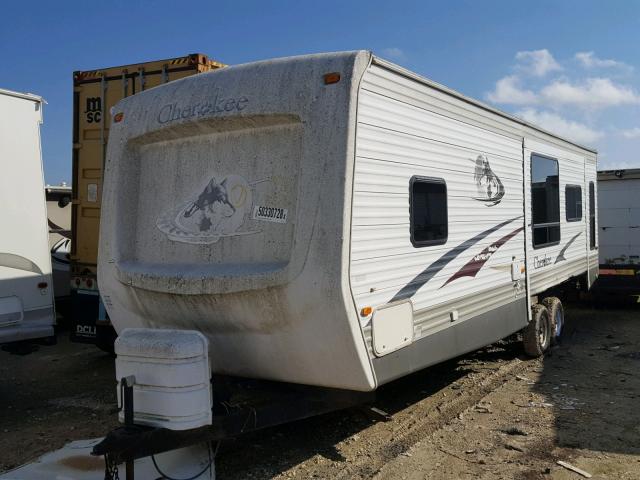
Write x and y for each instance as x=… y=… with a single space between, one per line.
x=26 y=292
x=336 y=220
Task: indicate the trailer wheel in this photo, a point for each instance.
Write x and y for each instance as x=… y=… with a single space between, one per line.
x=556 y=314
x=536 y=337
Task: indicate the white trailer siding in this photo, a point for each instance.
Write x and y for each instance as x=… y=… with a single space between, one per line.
x=551 y=265
x=26 y=306
x=407 y=126
x=401 y=135
x=593 y=245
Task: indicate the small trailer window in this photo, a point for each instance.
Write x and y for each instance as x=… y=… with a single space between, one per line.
x=573 y=202
x=545 y=201
x=592 y=216
x=428 y=211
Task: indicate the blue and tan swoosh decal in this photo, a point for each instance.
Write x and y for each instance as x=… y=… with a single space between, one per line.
x=473 y=266
x=428 y=273
x=564 y=249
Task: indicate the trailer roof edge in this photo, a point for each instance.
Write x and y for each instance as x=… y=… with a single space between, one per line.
x=619 y=174
x=26 y=96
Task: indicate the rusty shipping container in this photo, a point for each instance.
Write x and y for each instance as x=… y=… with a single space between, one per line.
x=94 y=93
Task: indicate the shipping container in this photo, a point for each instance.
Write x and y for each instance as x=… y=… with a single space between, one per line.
x=94 y=93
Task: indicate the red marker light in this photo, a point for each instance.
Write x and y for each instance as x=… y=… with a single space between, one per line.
x=330 y=78
x=118 y=117
x=43 y=285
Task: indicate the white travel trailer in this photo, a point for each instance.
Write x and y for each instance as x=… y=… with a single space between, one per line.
x=336 y=220
x=26 y=293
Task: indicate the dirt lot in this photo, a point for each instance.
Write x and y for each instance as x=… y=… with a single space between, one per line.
x=488 y=415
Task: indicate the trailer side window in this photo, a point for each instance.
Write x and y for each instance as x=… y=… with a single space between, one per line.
x=573 y=202
x=545 y=201
x=428 y=211
x=592 y=216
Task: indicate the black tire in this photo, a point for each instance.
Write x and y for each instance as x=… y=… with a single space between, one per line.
x=556 y=315
x=536 y=337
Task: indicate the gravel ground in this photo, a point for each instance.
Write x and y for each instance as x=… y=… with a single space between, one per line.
x=488 y=415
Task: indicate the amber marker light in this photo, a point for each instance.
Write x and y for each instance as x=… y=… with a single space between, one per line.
x=366 y=311
x=118 y=117
x=330 y=78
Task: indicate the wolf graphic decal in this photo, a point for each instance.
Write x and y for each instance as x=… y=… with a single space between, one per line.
x=489 y=187
x=219 y=210
x=213 y=192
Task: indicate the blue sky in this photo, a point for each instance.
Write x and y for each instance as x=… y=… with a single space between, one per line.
x=571 y=66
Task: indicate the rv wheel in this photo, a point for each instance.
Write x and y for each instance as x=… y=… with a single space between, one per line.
x=556 y=315
x=536 y=336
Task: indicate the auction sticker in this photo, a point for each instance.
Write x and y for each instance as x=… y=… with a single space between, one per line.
x=270 y=214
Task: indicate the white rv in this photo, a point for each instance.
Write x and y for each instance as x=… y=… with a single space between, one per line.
x=26 y=293
x=619 y=215
x=336 y=220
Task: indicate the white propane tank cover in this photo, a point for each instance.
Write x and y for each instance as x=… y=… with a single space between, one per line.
x=172 y=376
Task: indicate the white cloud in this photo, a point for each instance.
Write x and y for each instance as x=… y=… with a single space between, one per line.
x=552 y=122
x=394 y=53
x=631 y=133
x=589 y=60
x=509 y=91
x=537 y=62
x=593 y=93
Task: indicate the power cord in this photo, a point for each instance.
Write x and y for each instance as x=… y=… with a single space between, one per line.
x=209 y=466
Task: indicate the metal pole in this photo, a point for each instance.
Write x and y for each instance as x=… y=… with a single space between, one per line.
x=127 y=383
x=103 y=121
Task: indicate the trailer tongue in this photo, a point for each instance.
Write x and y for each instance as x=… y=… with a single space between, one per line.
x=175 y=414
x=165 y=389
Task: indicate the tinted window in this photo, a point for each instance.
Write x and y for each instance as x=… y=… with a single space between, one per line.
x=428 y=211
x=592 y=216
x=545 y=201
x=573 y=202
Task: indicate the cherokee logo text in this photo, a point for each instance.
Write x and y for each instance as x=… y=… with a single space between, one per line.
x=218 y=104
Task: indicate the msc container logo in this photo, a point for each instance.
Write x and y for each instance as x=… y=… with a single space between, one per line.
x=93 y=110
x=219 y=104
